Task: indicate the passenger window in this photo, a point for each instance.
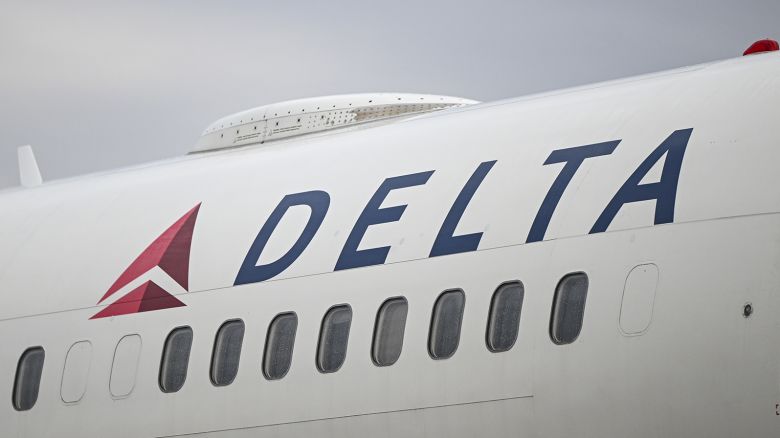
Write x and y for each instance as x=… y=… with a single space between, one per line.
x=28 y=378
x=279 y=346
x=389 y=331
x=504 y=319
x=636 y=308
x=568 y=308
x=125 y=366
x=447 y=317
x=175 y=359
x=227 y=352
x=75 y=374
x=334 y=336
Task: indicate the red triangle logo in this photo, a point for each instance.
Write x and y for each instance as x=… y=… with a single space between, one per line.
x=171 y=252
x=146 y=297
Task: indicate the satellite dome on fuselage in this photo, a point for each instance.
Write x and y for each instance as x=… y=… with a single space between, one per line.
x=317 y=115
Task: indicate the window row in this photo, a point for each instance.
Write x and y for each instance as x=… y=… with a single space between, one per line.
x=389 y=327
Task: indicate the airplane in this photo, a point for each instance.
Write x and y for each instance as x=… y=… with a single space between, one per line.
x=601 y=261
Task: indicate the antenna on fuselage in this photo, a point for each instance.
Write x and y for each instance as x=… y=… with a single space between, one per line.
x=29 y=174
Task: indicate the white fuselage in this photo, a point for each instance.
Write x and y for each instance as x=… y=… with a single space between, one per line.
x=664 y=354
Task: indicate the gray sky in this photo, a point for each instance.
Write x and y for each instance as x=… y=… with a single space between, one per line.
x=99 y=85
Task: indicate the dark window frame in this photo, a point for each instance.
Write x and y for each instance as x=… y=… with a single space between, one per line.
x=164 y=356
x=214 y=352
x=15 y=396
x=490 y=322
x=554 y=310
x=319 y=339
x=263 y=365
x=433 y=321
x=376 y=327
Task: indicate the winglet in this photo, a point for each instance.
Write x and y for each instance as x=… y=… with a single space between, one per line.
x=29 y=174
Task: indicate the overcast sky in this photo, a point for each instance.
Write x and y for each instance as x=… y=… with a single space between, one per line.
x=98 y=85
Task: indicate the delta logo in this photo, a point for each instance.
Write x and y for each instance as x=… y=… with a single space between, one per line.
x=170 y=252
x=167 y=259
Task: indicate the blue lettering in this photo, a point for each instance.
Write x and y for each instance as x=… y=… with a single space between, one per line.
x=350 y=256
x=318 y=201
x=664 y=191
x=573 y=157
x=445 y=242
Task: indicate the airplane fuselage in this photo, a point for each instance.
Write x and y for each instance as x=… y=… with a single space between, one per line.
x=659 y=194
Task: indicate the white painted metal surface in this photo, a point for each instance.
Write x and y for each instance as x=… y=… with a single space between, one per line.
x=29 y=174
x=701 y=369
x=125 y=365
x=319 y=115
x=636 y=308
x=75 y=374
